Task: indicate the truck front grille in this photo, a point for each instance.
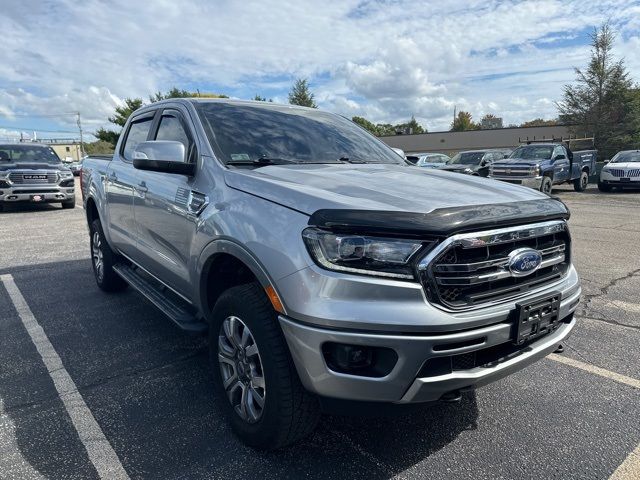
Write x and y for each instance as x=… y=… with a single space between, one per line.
x=620 y=173
x=21 y=178
x=511 y=172
x=471 y=270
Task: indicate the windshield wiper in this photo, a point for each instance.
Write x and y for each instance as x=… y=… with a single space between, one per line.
x=346 y=159
x=262 y=161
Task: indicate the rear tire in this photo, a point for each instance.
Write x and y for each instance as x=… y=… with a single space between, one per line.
x=250 y=356
x=103 y=259
x=69 y=203
x=580 y=183
x=546 y=186
x=603 y=187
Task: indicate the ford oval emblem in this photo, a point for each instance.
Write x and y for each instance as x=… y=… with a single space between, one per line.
x=524 y=261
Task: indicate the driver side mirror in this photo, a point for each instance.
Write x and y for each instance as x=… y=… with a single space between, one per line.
x=162 y=156
x=607 y=160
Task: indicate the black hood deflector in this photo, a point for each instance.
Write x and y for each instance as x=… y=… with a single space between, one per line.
x=442 y=221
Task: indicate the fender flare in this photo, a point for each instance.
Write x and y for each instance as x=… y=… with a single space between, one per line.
x=228 y=246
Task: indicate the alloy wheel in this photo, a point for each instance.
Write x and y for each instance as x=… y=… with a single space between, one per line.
x=241 y=369
x=97 y=256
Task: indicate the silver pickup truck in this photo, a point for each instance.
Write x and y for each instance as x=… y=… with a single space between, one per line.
x=33 y=173
x=322 y=265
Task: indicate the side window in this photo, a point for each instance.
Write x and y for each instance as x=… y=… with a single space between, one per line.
x=138 y=132
x=558 y=151
x=171 y=128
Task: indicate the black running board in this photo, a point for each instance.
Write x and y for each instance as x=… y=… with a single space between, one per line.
x=156 y=294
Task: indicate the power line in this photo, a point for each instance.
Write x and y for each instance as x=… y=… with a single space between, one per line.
x=39 y=115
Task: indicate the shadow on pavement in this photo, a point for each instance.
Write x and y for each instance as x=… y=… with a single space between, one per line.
x=149 y=388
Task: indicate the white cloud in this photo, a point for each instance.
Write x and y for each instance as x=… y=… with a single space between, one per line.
x=383 y=60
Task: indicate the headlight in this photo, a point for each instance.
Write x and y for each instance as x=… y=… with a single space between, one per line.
x=535 y=170
x=383 y=257
x=66 y=174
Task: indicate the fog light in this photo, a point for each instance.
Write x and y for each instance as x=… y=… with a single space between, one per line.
x=359 y=360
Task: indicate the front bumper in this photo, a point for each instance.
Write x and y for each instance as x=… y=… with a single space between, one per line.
x=48 y=193
x=531 y=182
x=608 y=179
x=404 y=384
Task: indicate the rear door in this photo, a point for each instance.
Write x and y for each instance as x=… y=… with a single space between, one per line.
x=165 y=224
x=120 y=182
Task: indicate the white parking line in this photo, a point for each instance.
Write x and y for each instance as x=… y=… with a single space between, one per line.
x=630 y=468
x=99 y=450
x=632 y=382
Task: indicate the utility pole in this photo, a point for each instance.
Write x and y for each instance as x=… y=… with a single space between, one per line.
x=81 y=141
x=454 y=116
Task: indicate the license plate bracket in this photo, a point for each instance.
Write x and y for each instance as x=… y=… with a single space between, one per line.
x=37 y=198
x=625 y=179
x=537 y=318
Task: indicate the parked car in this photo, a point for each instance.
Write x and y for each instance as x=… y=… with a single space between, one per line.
x=432 y=160
x=543 y=165
x=475 y=162
x=34 y=173
x=75 y=167
x=322 y=264
x=623 y=171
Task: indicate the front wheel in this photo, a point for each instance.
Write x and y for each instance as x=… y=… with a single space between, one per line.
x=69 y=203
x=546 y=186
x=580 y=184
x=253 y=372
x=604 y=187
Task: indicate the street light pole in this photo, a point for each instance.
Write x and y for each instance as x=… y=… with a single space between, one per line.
x=81 y=141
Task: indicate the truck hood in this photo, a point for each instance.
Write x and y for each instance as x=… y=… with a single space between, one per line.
x=31 y=166
x=309 y=188
x=460 y=167
x=521 y=162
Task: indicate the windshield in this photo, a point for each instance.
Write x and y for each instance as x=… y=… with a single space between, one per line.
x=623 y=157
x=468 y=158
x=432 y=159
x=533 y=152
x=28 y=153
x=248 y=132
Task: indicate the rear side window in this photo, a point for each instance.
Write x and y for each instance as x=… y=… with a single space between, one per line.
x=138 y=132
x=171 y=128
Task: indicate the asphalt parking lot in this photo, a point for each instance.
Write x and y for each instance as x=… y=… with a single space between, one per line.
x=147 y=385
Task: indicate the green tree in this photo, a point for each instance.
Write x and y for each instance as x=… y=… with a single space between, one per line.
x=98 y=147
x=463 y=122
x=412 y=126
x=258 y=98
x=601 y=101
x=301 y=95
x=366 y=124
x=540 y=122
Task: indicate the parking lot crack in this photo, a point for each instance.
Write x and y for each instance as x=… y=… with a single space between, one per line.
x=603 y=291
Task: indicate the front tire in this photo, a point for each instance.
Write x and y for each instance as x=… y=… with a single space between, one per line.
x=603 y=187
x=546 y=186
x=103 y=259
x=580 y=184
x=69 y=203
x=254 y=376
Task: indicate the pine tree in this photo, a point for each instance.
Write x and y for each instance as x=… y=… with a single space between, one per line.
x=301 y=95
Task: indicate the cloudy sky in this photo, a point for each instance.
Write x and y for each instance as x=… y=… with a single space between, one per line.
x=385 y=59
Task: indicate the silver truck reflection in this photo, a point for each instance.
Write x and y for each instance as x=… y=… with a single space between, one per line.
x=321 y=264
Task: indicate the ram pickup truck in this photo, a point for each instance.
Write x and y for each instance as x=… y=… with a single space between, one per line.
x=33 y=173
x=322 y=265
x=543 y=165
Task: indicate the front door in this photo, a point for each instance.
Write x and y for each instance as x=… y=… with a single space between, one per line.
x=561 y=165
x=165 y=225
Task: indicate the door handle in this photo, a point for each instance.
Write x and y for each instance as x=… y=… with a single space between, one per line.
x=142 y=187
x=112 y=176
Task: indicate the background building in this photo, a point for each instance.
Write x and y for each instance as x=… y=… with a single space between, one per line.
x=454 y=142
x=67 y=149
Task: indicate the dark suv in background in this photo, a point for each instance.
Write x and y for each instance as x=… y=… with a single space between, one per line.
x=475 y=162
